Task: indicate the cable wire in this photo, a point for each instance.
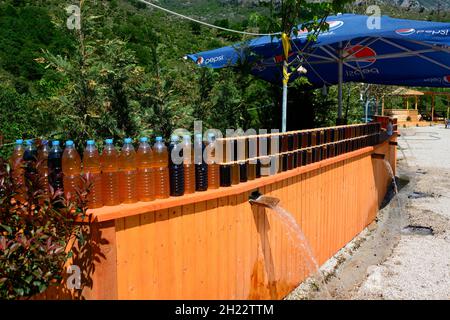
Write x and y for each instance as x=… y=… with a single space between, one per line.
x=205 y=23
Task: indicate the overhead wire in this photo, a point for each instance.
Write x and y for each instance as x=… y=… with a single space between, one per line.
x=206 y=23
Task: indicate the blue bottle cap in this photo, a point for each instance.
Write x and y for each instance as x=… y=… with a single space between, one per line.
x=159 y=139
x=128 y=140
x=69 y=143
x=211 y=135
x=29 y=142
x=55 y=143
x=198 y=136
x=19 y=141
x=109 y=141
x=174 y=138
x=90 y=142
x=143 y=139
x=44 y=142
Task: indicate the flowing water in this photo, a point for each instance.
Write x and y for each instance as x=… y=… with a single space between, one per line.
x=388 y=166
x=296 y=235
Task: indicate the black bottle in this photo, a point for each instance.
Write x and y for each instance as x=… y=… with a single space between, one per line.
x=176 y=170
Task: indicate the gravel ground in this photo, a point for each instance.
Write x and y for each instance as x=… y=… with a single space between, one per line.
x=405 y=254
x=419 y=266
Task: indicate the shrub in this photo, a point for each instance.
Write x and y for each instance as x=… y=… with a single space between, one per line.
x=36 y=228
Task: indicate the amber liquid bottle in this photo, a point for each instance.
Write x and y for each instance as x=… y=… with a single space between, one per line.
x=43 y=165
x=189 y=166
x=146 y=174
x=235 y=170
x=17 y=169
x=93 y=173
x=110 y=174
x=264 y=151
x=161 y=169
x=213 y=163
x=252 y=147
x=128 y=173
x=71 y=168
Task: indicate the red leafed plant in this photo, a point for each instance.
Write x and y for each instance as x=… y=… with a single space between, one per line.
x=36 y=229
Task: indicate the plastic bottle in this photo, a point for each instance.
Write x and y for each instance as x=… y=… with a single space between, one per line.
x=264 y=151
x=201 y=168
x=225 y=175
x=29 y=159
x=235 y=169
x=71 y=168
x=213 y=166
x=160 y=165
x=284 y=148
x=189 y=166
x=176 y=170
x=16 y=162
x=145 y=176
x=110 y=174
x=128 y=173
x=42 y=157
x=55 y=177
x=243 y=164
x=92 y=167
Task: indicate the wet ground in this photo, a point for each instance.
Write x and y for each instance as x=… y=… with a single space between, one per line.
x=405 y=254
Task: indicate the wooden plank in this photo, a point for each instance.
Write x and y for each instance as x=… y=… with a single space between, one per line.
x=222 y=237
x=201 y=254
x=176 y=251
x=163 y=248
x=104 y=277
x=189 y=254
x=149 y=259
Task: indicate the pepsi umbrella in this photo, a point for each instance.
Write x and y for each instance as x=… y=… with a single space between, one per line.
x=400 y=52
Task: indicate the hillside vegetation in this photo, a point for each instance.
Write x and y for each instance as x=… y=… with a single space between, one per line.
x=125 y=75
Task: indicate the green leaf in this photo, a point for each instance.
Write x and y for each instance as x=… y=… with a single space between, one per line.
x=7 y=228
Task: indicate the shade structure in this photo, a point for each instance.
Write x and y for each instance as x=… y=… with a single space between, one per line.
x=356 y=48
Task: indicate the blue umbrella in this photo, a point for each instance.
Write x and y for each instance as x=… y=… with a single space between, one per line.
x=400 y=52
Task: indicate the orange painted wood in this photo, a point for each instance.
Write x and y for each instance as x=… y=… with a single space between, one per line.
x=215 y=245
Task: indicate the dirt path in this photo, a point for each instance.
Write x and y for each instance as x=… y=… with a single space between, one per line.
x=405 y=254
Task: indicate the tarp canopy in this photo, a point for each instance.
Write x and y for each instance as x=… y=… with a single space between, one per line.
x=400 y=52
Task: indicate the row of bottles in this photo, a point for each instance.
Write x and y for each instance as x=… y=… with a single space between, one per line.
x=125 y=177
x=292 y=150
x=159 y=172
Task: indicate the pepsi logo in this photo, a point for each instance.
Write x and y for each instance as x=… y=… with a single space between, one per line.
x=447 y=79
x=405 y=32
x=333 y=25
x=200 y=60
x=365 y=55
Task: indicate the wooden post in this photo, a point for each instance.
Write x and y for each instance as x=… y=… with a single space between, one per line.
x=432 y=107
x=382 y=106
x=377 y=103
x=407 y=103
x=417 y=102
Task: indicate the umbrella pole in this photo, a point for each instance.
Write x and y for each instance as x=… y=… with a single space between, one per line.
x=340 y=85
x=284 y=105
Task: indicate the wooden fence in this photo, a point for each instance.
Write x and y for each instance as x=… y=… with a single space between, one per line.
x=216 y=245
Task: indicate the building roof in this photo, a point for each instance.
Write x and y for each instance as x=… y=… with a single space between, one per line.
x=406 y=92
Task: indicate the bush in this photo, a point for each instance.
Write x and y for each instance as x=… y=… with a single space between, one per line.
x=36 y=228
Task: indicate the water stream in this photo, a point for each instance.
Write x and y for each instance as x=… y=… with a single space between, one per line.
x=300 y=242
